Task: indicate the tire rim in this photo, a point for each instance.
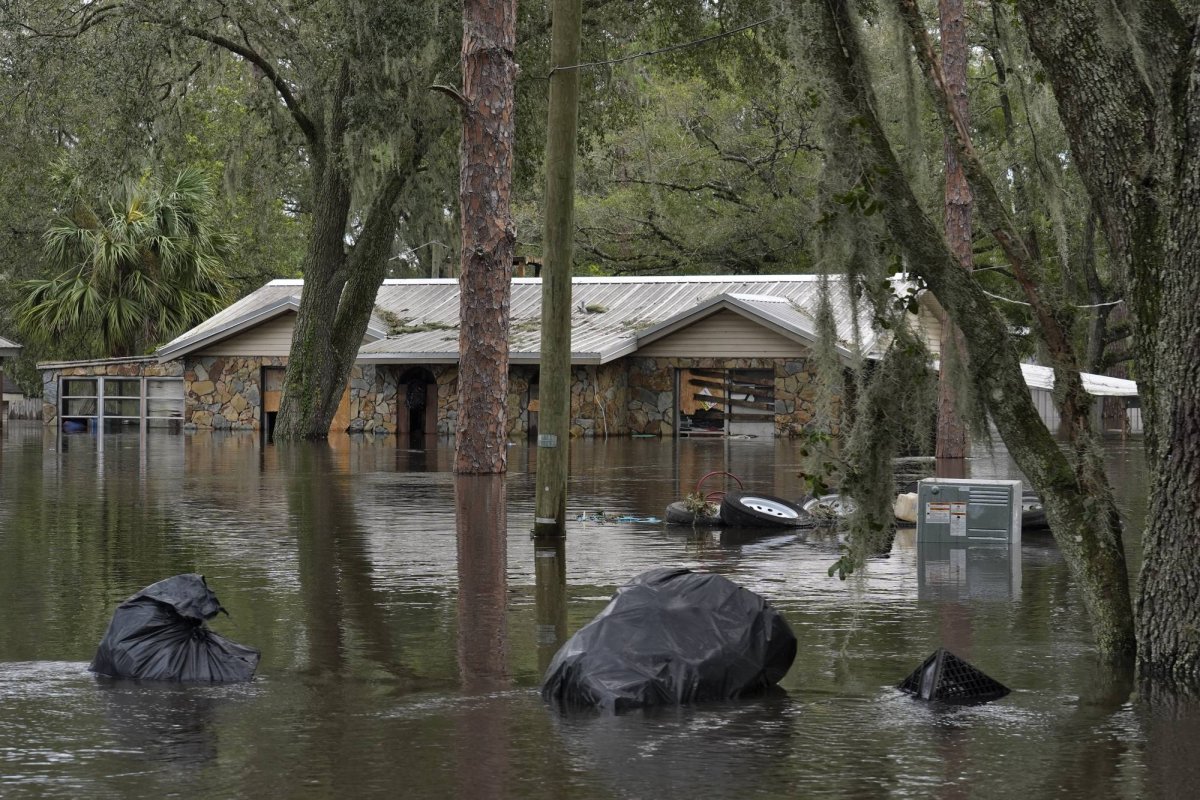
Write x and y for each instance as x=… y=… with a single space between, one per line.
x=772 y=507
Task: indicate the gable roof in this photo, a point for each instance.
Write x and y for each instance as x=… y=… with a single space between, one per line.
x=275 y=299
x=8 y=348
x=782 y=315
x=609 y=316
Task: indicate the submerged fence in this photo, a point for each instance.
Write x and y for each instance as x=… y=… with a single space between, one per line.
x=25 y=408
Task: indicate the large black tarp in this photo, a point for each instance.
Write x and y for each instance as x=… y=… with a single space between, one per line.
x=159 y=634
x=672 y=636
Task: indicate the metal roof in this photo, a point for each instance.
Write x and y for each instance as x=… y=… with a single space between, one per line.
x=1039 y=377
x=607 y=317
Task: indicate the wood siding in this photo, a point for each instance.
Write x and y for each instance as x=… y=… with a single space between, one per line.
x=272 y=338
x=929 y=327
x=725 y=334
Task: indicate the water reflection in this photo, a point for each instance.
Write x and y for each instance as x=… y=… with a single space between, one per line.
x=715 y=750
x=171 y=723
x=481 y=519
x=550 y=597
x=955 y=571
x=404 y=634
x=336 y=574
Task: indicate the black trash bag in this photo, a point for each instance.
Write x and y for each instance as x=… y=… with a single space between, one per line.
x=159 y=634
x=946 y=678
x=668 y=637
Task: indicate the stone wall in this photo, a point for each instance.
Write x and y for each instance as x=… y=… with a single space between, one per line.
x=632 y=395
x=373 y=401
x=225 y=392
x=600 y=400
x=651 y=390
x=133 y=368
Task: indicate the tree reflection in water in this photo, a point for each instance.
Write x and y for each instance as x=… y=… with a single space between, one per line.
x=481 y=523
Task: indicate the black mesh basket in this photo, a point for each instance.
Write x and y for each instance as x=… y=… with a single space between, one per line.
x=946 y=678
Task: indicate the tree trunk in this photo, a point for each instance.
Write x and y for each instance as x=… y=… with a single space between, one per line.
x=489 y=78
x=311 y=387
x=1131 y=108
x=951 y=430
x=1169 y=597
x=339 y=294
x=1082 y=527
x=554 y=418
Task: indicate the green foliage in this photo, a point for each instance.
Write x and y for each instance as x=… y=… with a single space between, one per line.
x=135 y=269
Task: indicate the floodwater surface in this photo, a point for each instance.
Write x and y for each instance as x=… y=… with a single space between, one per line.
x=405 y=619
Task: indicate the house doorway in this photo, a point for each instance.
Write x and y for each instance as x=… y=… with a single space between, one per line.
x=272 y=391
x=417 y=403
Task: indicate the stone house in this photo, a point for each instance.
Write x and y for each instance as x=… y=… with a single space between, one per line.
x=679 y=355
x=664 y=356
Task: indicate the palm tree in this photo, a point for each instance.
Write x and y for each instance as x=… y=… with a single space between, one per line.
x=147 y=268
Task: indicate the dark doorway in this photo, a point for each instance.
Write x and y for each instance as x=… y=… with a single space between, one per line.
x=417 y=403
x=533 y=404
x=272 y=392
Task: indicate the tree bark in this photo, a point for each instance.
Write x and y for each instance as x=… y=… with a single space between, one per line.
x=554 y=418
x=486 y=161
x=951 y=430
x=1082 y=527
x=340 y=287
x=1126 y=87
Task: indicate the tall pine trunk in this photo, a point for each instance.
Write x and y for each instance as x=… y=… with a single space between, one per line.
x=951 y=430
x=485 y=183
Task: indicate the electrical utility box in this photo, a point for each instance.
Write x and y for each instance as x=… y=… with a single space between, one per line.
x=958 y=510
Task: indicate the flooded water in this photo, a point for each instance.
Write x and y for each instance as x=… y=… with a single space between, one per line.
x=405 y=620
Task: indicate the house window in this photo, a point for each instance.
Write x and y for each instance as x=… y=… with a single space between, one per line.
x=113 y=404
x=80 y=403
x=164 y=403
x=164 y=398
x=726 y=402
x=122 y=398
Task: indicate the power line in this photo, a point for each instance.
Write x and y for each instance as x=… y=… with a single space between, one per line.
x=1023 y=303
x=669 y=48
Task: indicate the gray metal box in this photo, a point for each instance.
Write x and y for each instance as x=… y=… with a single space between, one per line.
x=958 y=510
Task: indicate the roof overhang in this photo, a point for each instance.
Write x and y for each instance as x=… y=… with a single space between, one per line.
x=9 y=349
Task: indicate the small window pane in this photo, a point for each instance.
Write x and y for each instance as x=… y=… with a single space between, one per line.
x=164 y=398
x=123 y=408
x=170 y=409
x=164 y=388
x=79 y=408
x=79 y=387
x=114 y=387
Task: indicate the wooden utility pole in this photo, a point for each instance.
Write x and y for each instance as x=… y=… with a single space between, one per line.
x=554 y=416
x=951 y=431
x=485 y=185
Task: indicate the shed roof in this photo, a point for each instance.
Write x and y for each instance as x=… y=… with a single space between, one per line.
x=1039 y=377
x=610 y=317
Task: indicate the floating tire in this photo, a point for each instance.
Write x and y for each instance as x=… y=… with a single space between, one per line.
x=679 y=514
x=753 y=510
